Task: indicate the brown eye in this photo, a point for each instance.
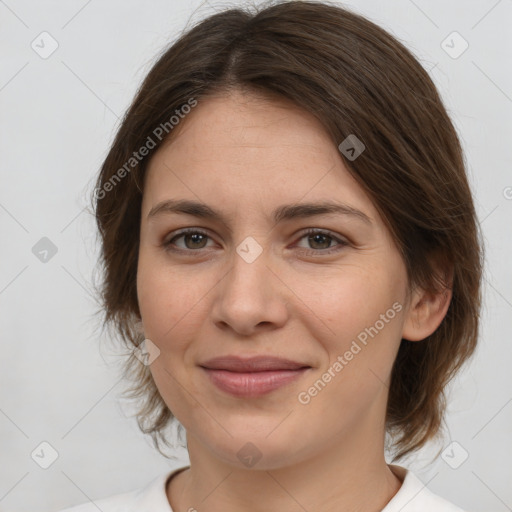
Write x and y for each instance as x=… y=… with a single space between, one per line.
x=197 y=240
x=320 y=242
x=192 y=240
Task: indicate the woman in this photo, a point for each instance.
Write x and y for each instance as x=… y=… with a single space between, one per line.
x=287 y=224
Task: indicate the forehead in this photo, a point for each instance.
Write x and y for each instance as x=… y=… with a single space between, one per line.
x=242 y=123
x=244 y=150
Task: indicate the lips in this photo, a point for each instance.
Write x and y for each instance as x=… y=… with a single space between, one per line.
x=252 y=364
x=252 y=377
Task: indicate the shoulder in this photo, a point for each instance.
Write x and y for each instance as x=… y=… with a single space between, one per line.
x=151 y=498
x=414 y=496
x=115 y=503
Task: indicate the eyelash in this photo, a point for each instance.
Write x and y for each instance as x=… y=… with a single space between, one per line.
x=168 y=245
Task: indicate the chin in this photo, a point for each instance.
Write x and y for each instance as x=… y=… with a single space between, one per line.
x=259 y=447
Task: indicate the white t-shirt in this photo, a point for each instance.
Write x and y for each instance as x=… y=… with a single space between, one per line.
x=412 y=496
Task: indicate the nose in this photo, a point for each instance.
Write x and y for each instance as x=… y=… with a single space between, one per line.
x=250 y=298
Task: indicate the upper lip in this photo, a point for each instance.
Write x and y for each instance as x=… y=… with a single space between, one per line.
x=252 y=364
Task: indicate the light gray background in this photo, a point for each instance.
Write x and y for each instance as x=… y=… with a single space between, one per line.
x=58 y=116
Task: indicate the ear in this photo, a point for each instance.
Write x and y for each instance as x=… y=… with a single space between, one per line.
x=426 y=312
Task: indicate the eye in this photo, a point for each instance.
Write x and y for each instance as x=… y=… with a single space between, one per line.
x=193 y=239
x=320 y=241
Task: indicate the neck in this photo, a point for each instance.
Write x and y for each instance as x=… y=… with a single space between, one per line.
x=350 y=474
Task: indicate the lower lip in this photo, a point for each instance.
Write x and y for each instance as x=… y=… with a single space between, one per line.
x=254 y=383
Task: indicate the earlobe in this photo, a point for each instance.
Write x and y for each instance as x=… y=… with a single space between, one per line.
x=426 y=312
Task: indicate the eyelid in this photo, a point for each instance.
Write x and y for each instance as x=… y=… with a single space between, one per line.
x=323 y=231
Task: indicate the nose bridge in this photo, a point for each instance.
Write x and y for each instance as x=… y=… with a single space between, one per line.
x=250 y=294
x=249 y=275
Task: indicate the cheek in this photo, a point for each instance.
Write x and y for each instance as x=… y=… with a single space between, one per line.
x=169 y=308
x=362 y=309
x=352 y=301
x=361 y=347
x=170 y=301
x=158 y=298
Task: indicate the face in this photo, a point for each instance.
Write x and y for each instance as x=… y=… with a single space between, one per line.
x=325 y=290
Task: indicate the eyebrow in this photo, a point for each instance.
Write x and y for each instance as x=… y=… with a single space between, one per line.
x=284 y=212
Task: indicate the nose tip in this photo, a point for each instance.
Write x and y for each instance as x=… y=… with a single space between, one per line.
x=250 y=297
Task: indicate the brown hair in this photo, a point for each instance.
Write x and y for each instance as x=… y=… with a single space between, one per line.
x=356 y=79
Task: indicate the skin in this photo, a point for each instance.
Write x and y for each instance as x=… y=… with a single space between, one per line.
x=245 y=155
